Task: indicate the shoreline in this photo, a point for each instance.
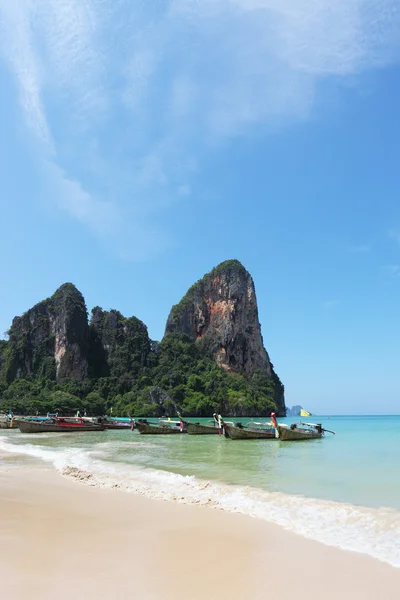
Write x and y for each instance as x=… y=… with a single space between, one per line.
x=114 y=542
x=369 y=531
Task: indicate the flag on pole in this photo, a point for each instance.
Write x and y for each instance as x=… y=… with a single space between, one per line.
x=304 y=413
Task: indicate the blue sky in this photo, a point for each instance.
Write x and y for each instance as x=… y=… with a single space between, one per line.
x=145 y=142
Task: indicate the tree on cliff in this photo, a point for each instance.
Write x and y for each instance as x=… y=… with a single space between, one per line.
x=211 y=358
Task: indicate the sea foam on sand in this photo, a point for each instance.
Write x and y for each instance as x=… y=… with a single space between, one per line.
x=371 y=531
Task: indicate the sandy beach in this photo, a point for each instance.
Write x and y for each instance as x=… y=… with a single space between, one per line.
x=61 y=539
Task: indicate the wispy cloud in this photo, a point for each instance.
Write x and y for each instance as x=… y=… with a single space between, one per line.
x=101 y=216
x=123 y=98
x=18 y=51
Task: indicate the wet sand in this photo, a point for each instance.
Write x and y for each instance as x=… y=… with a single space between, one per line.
x=60 y=539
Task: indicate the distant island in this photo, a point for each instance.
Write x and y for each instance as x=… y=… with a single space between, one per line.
x=294 y=411
x=211 y=358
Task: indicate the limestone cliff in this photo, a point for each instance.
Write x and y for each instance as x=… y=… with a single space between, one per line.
x=211 y=358
x=54 y=340
x=220 y=313
x=51 y=338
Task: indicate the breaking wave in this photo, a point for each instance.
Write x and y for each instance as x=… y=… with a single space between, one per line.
x=372 y=531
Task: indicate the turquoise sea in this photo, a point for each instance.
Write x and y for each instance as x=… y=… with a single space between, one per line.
x=343 y=490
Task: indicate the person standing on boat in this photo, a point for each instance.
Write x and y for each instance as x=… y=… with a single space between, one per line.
x=218 y=423
x=220 y=426
x=274 y=424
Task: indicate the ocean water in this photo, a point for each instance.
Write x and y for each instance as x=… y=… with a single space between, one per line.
x=342 y=490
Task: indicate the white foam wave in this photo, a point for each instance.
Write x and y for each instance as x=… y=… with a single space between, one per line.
x=28 y=436
x=375 y=532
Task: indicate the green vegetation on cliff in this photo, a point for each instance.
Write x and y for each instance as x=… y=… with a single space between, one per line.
x=120 y=345
x=55 y=359
x=179 y=377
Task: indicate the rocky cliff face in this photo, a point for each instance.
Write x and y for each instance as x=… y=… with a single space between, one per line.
x=220 y=313
x=54 y=340
x=212 y=356
x=51 y=339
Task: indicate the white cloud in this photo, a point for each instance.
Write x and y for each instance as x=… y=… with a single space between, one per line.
x=265 y=58
x=100 y=216
x=326 y=38
x=123 y=98
x=69 y=34
x=128 y=239
x=18 y=51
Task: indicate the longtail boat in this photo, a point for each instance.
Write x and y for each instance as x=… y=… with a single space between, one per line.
x=163 y=427
x=58 y=424
x=199 y=429
x=9 y=424
x=116 y=424
x=301 y=431
x=251 y=431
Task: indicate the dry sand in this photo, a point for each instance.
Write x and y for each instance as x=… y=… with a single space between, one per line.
x=64 y=540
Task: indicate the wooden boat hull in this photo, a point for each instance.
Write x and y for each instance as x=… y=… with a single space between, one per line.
x=291 y=435
x=198 y=429
x=237 y=433
x=117 y=425
x=153 y=429
x=43 y=427
x=8 y=425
